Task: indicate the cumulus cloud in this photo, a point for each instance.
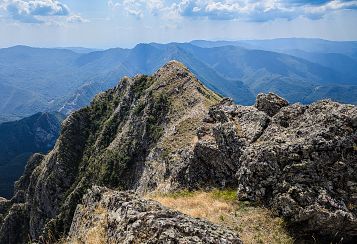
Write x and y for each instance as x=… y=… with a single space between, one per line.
x=261 y=10
x=138 y=8
x=131 y=7
x=36 y=11
x=251 y=10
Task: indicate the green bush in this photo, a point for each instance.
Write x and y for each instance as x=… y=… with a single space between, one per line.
x=225 y=194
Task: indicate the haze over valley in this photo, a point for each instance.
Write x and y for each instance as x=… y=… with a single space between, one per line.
x=41 y=79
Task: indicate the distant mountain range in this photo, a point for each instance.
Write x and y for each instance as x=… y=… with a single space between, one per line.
x=340 y=56
x=19 y=140
x=302 y=70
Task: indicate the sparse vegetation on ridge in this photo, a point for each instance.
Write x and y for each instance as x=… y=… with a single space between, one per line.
x=254 y=224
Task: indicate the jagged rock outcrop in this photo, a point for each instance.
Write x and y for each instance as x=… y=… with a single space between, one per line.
x=299 y=160
x=3 y=208
x=168 y=132
x=107 y=216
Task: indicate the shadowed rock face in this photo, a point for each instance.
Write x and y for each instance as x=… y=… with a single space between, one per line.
x=123 y=217
x=169 y=132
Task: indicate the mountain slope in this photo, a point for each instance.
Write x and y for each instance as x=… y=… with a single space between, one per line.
x=348 y=48
x=242 y=73
x=126 y=131
x=168 y=132
x=19 y=140
x=338 y=56
x=35 y=79
x=336 y=61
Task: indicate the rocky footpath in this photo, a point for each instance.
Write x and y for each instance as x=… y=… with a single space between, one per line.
x=167 y=132
x=107 y=216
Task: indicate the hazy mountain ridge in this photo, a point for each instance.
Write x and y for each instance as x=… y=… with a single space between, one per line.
x=337 y=55
x=348 y=48
x=37 y=79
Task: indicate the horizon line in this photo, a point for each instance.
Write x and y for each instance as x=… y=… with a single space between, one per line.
x=172 y=42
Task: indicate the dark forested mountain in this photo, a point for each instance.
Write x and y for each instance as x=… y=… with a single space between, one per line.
x=19 y=140
x=304 y=70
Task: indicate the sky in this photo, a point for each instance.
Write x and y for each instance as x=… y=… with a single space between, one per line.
x=124 y=23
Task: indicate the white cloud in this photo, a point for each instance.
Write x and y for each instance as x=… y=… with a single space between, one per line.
x=234 y=9
x=261 y=10
x=37 y=11
x=138 y=8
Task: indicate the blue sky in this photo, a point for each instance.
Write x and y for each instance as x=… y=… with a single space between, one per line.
x=123 y=23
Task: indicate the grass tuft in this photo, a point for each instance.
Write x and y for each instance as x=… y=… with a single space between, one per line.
x=229 y=195
x=254 y=224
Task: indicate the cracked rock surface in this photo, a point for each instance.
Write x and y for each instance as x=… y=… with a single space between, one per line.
x=299 y=160
x=123 y=217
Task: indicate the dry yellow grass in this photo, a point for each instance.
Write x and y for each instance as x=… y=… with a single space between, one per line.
x=253 y=224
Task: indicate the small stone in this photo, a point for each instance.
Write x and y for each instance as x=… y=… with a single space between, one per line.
x=270 y=103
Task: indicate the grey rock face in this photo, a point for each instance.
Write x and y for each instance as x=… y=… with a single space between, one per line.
x=270 y=103
x=41 y=189
x=19 y=140
x=301 y=162
x=216 y=150
x=123 y=217
x=4 y=205
x=304 y=166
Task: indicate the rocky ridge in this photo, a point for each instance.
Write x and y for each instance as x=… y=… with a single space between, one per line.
x=169 y=132
x=136 y=136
